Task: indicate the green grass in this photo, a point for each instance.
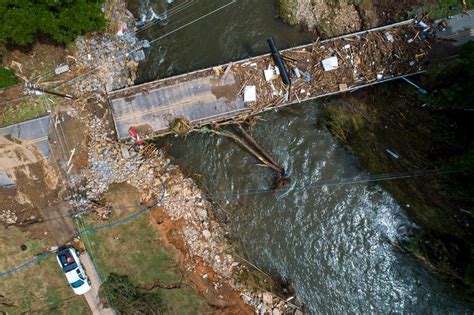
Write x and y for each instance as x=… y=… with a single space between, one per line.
x=40 y=288
x=286 y=11
x=30 y=108
x=7 y=78
x=440 y=8
x=139 y=254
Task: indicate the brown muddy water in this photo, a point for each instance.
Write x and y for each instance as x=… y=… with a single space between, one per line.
x=331 y=240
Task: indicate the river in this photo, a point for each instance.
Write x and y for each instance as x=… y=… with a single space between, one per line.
x=331 y=241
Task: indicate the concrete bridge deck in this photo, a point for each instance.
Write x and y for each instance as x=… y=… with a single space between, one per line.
x=215 y=95
x=34 y=131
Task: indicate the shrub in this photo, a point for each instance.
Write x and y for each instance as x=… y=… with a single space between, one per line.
x=7 y=78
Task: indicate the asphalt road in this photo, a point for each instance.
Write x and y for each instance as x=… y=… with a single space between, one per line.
x=34 y=131
x=460 y=28
x=92 y=297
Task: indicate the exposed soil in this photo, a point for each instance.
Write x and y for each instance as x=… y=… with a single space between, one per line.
x=217 y=292
x=37 y=62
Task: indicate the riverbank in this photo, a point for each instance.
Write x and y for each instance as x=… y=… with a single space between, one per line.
x=184 y=219
x=333 y=18
x=389 y=130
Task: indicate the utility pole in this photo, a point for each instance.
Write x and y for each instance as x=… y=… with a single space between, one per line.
x=32 y=87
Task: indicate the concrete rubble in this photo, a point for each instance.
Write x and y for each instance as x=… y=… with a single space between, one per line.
x=114 y=61
x=112 y=58
x=8 y=216
x=204 y=237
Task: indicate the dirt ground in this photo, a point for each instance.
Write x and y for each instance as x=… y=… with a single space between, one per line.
x=224 y=299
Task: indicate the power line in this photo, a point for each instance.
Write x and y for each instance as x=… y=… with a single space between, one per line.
x=229 y=196
x=326 y=183
x=151 y=42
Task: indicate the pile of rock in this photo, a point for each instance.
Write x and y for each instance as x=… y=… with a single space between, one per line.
x=113 y=57
x=111 y=162
x=268 y=303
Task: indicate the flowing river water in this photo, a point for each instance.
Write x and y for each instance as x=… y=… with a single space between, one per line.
x=331 y=241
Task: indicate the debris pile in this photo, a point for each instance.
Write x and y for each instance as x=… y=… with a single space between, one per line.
x=268 y=303
x=111 y=162
x=8 y=216
x=318 y=69
x=110 y=60
x=335 y=65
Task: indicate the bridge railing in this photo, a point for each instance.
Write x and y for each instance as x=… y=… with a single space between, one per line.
x=148 y=84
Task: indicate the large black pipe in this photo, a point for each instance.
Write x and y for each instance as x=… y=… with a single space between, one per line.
x=285 y=76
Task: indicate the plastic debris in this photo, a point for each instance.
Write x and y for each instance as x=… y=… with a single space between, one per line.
x=330 y=64
x=250 y=94
x=61 y=69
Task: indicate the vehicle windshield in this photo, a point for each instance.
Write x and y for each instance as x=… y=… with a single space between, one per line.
x=67 y=261
x=77 y=284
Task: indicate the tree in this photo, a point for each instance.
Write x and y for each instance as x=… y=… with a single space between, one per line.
x=62 y=20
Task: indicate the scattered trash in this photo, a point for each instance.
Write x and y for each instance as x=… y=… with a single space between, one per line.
x=250 y=94
x=138 y=55
x=423 y=25
x=392 y=154
x=134 y=134
x=330 y=64
x=61 y=69
x=389 y=37
x=271 y=73
x=145 y=43
x=297 y=72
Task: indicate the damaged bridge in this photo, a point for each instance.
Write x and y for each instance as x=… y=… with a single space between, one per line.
x=237 y=90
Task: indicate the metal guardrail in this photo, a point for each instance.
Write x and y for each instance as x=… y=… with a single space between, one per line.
x=144 y=85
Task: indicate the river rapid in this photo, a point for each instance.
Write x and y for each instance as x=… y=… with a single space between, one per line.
x=333 y=241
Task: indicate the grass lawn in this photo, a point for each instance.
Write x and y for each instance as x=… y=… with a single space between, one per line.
x=134 y=249
x=27 y=109
x=440 y=8
x=40 y=288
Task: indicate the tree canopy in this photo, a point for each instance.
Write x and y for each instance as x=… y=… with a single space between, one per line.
x=62 y=20
x=128 y=299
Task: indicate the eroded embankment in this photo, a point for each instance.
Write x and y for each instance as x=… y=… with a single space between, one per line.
x=184 y=218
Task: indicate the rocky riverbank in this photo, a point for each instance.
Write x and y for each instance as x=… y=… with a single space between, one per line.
x=205 y=255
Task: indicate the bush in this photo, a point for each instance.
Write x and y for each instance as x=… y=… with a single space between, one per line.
x=7 y=78
x=457 y=85
x=61 y=20
x=128 y=299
